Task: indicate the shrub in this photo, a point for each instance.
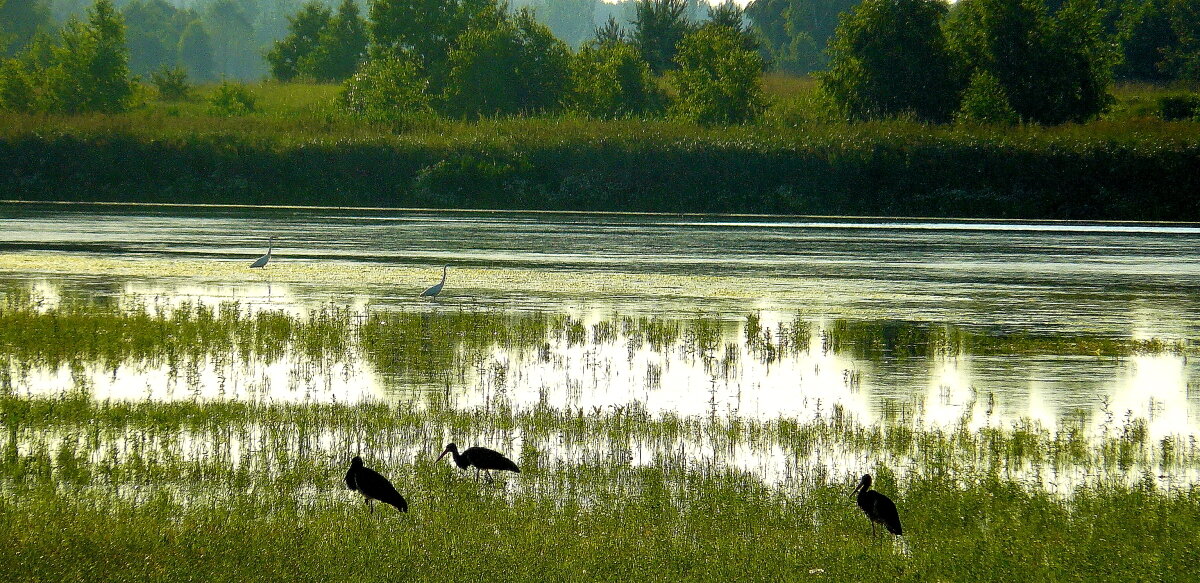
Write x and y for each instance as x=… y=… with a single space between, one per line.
x=1181 y=107
x=986 y=102
x=611 y=80
x=171 y=83
x=466 y=180
x=230 y=99
x=719 y=80
x=16 y=91
x=387 y=87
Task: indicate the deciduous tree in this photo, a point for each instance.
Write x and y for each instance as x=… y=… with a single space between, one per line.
x=90 y=70
x=719 y=79
x=152 y=31
x=426 y=29
x=341 y=45
x=1146 y=38
x=611 y=80
x=20 y=21
x=1054 y=69
x=659 y=27
x=195 y=51
x=515 y=66
x=1183 y=60
x=889 y=57
x=304 y=33
x=795 y=33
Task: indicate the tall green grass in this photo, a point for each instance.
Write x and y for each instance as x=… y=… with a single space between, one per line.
x=112 y=492
x=298 y=151
x=442 y=348
x=90 y=332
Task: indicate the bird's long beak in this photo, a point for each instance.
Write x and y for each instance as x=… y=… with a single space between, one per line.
x=444 y=452
x=856 y=489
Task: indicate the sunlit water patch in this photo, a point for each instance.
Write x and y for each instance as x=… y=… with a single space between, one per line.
x=1036 y=277
x=748 y=367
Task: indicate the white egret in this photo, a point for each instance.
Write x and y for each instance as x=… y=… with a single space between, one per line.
x=262 y=261
x=434 y=290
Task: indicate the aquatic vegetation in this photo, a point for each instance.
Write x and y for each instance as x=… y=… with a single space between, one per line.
x=219 y=489
x=159 y=491
x=78 y=331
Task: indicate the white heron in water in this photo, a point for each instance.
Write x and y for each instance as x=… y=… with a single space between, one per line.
x=262 y=261
x=434 y=290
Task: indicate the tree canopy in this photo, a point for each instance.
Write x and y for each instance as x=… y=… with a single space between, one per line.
x=719 y=78
x=87 y=70
x=1054 y=68
x=657 y=30
x=889 y=57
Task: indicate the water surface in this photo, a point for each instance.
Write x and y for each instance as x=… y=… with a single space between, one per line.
x=1049 y=279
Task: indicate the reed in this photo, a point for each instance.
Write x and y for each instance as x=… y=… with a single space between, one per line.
x=299 y=151
x=236 y=491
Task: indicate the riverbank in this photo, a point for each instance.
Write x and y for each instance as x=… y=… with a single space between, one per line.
x=1126 y=170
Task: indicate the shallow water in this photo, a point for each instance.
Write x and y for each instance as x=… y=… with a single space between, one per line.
x=1042 y=279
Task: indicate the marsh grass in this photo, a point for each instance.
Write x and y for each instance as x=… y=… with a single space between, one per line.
x=75 y=332
x=796 y=161
x=124 y=499
x=431 y=347
x=251 y=491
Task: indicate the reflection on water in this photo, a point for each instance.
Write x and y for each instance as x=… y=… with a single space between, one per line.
x=751 y=368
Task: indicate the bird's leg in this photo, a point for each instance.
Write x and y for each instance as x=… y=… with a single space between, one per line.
x=369 y=506
x=490 y=480
x=476 y=474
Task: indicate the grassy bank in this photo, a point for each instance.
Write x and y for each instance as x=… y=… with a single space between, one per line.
x=299 y=150
x=237 y=492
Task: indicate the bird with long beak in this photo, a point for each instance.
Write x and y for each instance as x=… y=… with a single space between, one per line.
x=482 y=458
x=877 y=507
x=373 y=486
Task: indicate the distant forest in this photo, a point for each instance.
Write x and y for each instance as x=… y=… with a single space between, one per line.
x=213 y=39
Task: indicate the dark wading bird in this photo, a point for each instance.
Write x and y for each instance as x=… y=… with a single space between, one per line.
x=482 y=458
x=373 y=486
x=878 y=508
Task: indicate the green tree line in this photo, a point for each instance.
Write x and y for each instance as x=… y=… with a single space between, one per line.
x=1152 y=40
x=993 y=61
x=1155 y=40
x=209 y=39
x=478 y=58
x=978 y=61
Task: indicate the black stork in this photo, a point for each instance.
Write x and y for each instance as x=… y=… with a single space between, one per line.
x=482 y=458
x=373 y=486
x=877 y=507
